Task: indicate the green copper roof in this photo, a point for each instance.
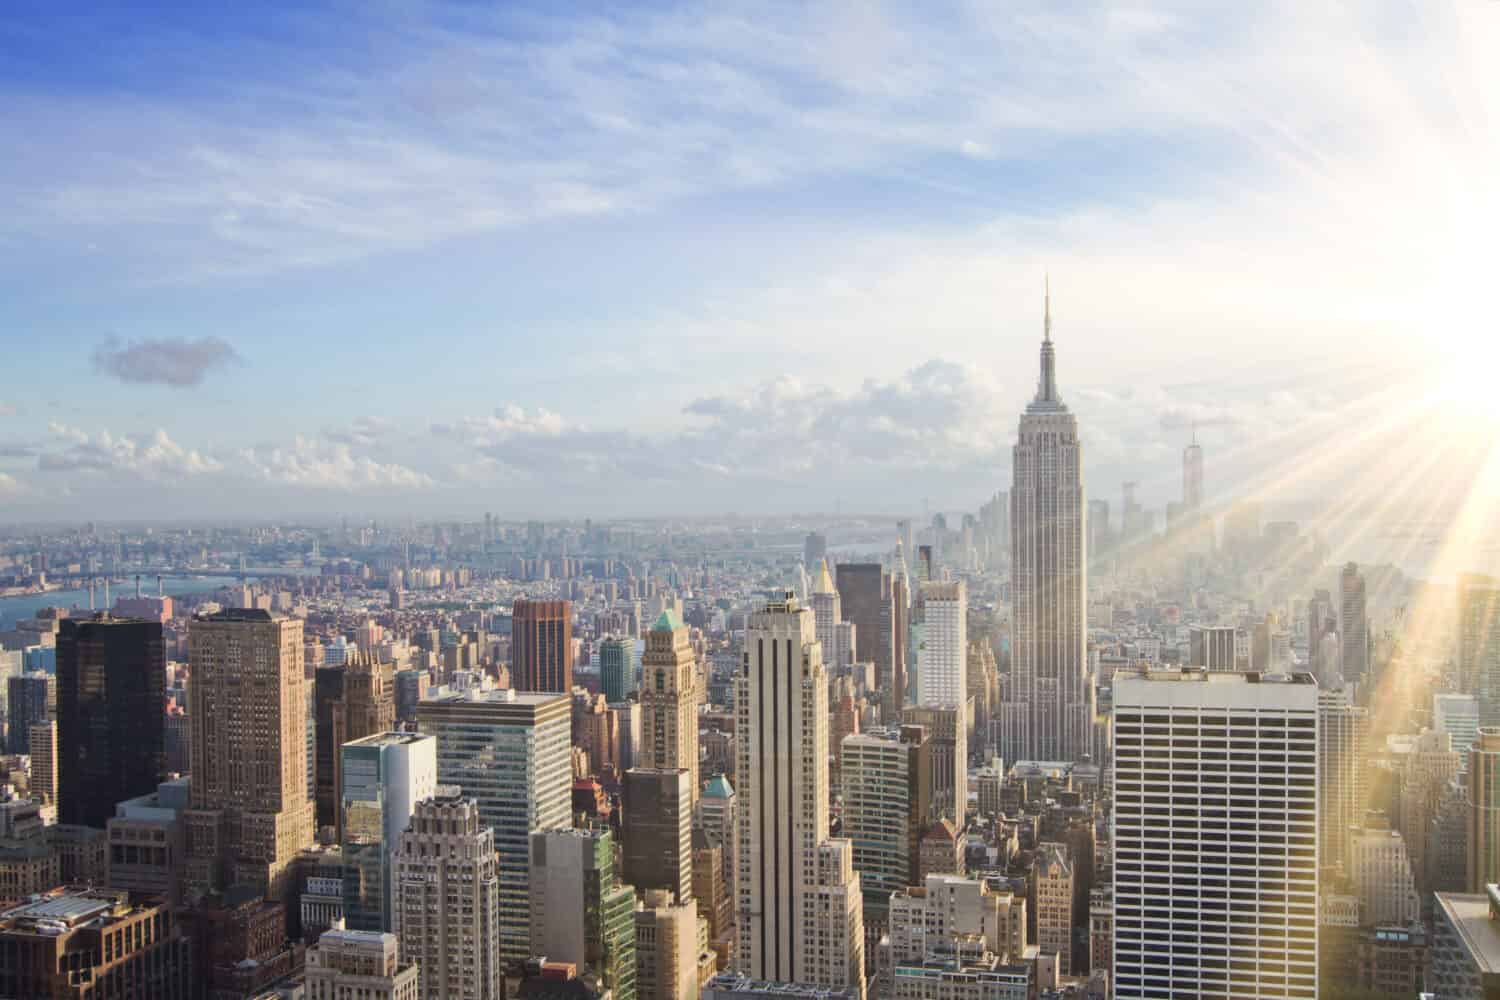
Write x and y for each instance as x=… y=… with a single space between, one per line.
x=667 y=622
x=718 y=788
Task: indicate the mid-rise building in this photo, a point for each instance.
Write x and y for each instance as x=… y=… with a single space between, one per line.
x=542 y=646
x=1053 y=884
x=580 y=912
x=798 y=913
x=111 y=742
x=447 y=899
x=947 y=729
x=1464 y=962
x=359 y=965
x=146 y=842
x=888 y=804
x=736 y=986
x=666 y=948
x=1381 y=872
x=1458 y=716
x=43 y=783
x=669 y=700
x=717 y=814
x=1212 y=647
x=28 y=701
x=94 y=944
x=382 y=778
x=1223 y=844
x=250 y=809
x=955 y=937
x=658 y=830
x=512 y=753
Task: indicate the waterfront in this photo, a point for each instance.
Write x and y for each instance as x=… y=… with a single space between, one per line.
x=13 y=609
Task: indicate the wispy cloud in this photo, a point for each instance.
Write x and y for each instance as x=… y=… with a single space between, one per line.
x=175 y=361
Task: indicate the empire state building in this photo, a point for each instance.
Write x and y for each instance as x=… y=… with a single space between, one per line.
x=1047 y=698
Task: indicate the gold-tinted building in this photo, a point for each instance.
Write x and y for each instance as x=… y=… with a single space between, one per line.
x=669 y=700
x=250 y=812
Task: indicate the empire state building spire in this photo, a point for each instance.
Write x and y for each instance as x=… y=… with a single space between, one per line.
x=1046 y=387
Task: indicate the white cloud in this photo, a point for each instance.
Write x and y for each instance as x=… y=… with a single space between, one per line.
x=327 y=466
x=153 y=456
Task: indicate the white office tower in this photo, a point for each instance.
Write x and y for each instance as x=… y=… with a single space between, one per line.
x=828 y=612
x=1216 y=835
x=797 y=904
x=944 y=648
x=447 y=905
x=1382 y=875
x=1047 y=696
x=954 y=938
x=384 y=777
x=1342 y=754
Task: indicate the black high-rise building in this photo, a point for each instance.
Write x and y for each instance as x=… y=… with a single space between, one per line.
x=111 y=724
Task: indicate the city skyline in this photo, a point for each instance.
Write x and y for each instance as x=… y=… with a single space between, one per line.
x=497 y=310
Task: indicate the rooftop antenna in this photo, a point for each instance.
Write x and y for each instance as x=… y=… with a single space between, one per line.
x=92 y=581
x=138 y=586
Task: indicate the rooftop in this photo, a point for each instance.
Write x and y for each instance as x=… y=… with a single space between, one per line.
x=718 y=788
x=389 y=739
x=667 y=621
x=1469 y=914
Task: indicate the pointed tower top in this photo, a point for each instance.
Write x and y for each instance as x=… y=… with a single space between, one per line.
x=1047 y=309
x=824 y=584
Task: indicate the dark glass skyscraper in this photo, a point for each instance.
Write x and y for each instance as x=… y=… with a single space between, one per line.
x=111 y=723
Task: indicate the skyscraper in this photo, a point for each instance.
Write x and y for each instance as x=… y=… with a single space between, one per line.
x=542 y=645
x=111 y=737
x=1205 y=848
x=1344 y=733
x=43 y=784
x=447 y=898
x=384 y=777
x=814 y=550
x=27 y=696
x=1047 y=698
x=865 y=595
x=1484 y=809
x=944 y=649
x=798 y=910
x=947 y=730
x=351 y=701
x=658 y=830
x=669 y=699
x=1192 y=476
x=346 y=964
x=1354 y=626
x=828 y=612
x=512 y=753
x=616 y=668
x=250 y=812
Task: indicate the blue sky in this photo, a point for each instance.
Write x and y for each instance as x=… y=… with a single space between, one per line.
x=441 y=258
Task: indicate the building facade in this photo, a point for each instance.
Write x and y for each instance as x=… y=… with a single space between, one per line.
x=542 y=646
x=580 y=912
x=942 y=655
x=1047 y=696
x=669 y=699
x=250 y=809
x=446 y=911
x=383 y=777
x=512 y=753
x=797 y=913
x=1224 y=845
x=111 y=742
x=658 y=830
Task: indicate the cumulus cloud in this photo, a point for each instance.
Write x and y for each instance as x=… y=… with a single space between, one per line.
x=152 y=456
x=8 y=409
x=175 y=361
x=363 y=432
x=327 y=466
x=10 y=485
